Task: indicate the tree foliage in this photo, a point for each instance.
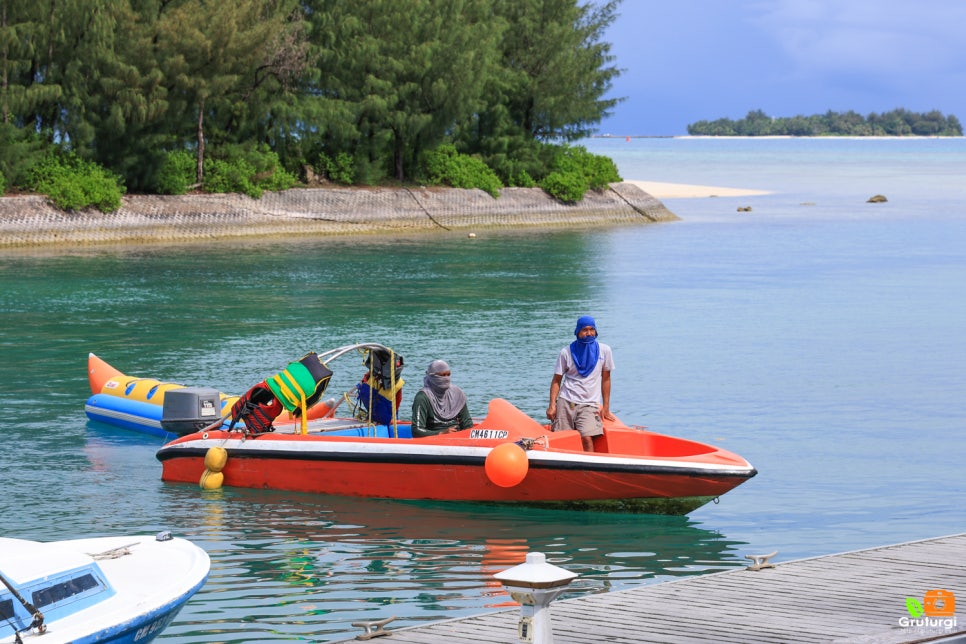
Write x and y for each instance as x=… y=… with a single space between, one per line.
x=394 y=77
x=20 y=149
x=575 y=171
x=446 y=166
x=72 y=183
x=134 y=85
x=898 y=122
x=553 y=75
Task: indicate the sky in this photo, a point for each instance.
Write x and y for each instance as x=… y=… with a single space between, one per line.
x=691 y=60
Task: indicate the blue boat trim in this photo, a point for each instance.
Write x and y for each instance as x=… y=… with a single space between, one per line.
x=63 y=594
x=146 y=626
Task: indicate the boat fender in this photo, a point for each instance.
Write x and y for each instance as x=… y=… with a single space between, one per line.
x=215 y=460
x=506 y=465
x=211 y=480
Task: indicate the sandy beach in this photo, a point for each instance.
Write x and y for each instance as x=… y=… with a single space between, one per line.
x=660 y=190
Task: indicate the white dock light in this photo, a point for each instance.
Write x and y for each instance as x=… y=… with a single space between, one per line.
x=534 y=584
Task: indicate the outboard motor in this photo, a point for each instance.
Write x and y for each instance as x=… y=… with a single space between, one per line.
x=189 y=409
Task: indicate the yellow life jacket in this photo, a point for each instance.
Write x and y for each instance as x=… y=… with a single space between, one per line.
x=300 y=385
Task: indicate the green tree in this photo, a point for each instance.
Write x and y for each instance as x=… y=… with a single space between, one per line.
x=756 y=123
x=395 y=76
x=43 y=49
x=557 y=67
x=223 y=61
x=133 y=84
x=930 y=124
x=23 y=87
x=953 y=126
x=67 y=77
x=126 y=110
x=19 y=149
x=555 y=70
x=21 y=93
x=719 y=127
x=898 y=122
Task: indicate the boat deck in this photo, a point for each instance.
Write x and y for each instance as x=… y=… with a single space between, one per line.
x=850 y=597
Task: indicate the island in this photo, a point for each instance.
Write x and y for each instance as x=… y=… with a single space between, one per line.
x=898 y=122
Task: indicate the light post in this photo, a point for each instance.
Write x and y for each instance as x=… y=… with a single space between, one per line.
x=534 y=584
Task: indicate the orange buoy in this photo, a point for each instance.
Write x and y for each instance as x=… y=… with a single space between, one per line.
x=506 y=465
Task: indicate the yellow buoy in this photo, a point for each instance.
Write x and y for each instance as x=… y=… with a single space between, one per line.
x=215 y=460
x=211 y=480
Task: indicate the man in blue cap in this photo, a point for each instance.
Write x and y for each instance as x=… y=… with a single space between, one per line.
x=580 y=388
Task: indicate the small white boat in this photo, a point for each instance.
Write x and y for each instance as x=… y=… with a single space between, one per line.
x=107 y=589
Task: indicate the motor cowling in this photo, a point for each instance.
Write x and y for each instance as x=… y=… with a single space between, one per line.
x=188 y=409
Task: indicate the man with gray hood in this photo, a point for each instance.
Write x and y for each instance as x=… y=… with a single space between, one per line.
x=440 y=406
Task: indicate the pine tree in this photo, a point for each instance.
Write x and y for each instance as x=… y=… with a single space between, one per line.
x=218 y=59
x=397 y=76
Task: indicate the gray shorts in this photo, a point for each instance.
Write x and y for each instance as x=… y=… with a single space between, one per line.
x=584 y=418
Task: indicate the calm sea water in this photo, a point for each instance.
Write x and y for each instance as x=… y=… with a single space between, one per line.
x=821 y=337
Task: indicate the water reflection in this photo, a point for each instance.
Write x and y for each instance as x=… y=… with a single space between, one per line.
x=303 y=564
x=288 y=565
x=768 y=336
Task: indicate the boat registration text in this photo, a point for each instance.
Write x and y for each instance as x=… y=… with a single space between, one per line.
x=489 y=433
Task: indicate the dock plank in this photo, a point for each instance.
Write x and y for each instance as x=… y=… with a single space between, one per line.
x=856 y=597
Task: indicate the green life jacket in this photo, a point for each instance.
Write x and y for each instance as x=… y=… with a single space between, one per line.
x=301 y=384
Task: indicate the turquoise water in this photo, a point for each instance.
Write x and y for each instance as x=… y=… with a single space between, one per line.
x=824 y=342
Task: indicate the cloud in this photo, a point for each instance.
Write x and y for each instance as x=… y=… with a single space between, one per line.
x=885 y=38
x=704 y=59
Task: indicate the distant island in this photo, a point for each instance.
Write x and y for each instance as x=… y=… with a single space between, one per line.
x=898 y=122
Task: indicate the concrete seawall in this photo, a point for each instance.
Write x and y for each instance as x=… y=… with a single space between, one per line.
x=27 y=221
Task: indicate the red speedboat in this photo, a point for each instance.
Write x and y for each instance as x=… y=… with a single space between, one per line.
x=507 y=457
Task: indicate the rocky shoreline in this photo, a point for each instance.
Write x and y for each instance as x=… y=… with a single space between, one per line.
x=29 y=220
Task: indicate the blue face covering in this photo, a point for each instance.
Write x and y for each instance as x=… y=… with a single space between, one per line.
x=585 y=351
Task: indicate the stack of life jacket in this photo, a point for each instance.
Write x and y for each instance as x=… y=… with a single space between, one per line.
x=294 y=389
x=380 y=391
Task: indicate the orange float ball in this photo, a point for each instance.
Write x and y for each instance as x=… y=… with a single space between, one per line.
x=506 y=464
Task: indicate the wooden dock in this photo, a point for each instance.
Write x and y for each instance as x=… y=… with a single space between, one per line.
x=855 y=597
